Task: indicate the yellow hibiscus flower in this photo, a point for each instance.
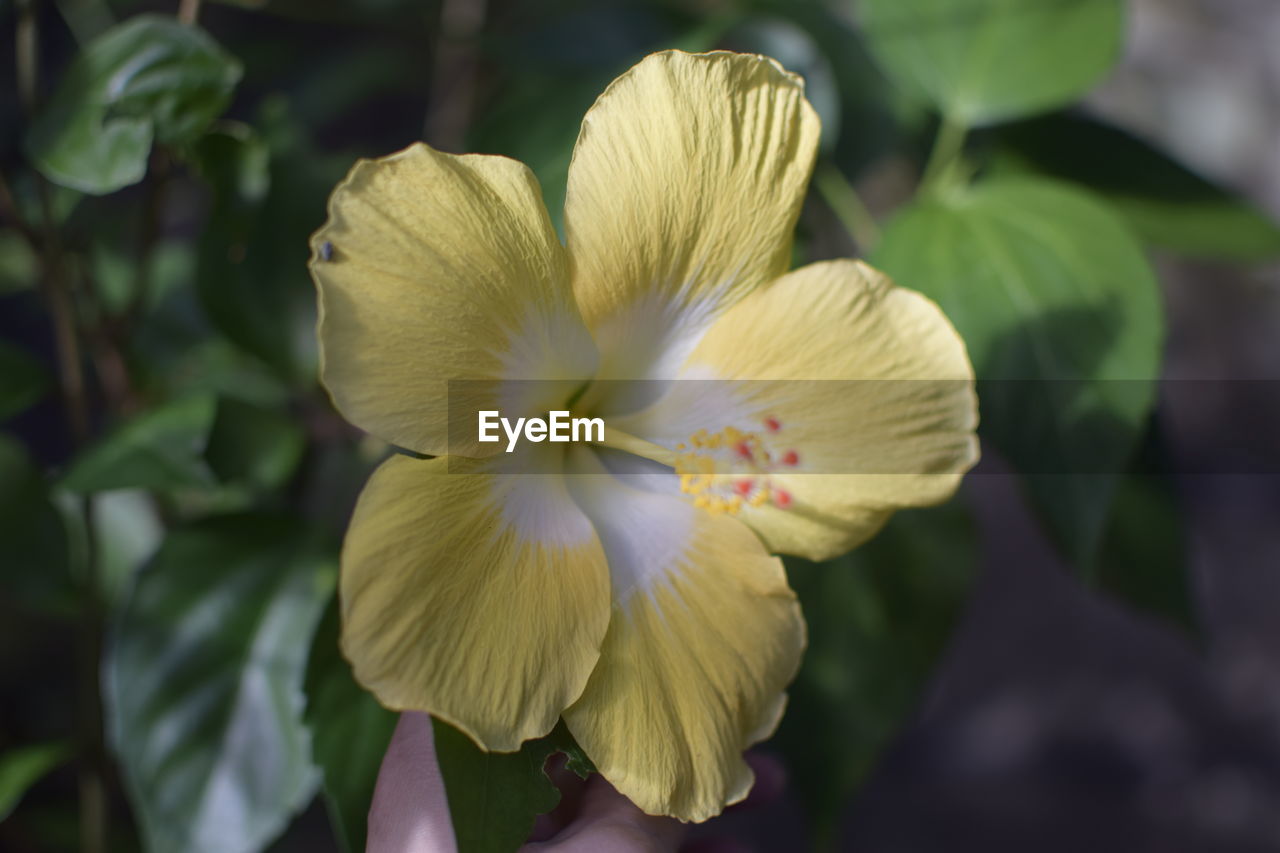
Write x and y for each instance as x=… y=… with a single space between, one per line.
x=626 y=586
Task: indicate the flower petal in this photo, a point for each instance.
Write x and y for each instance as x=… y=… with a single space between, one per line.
x=704 y=638
x=683 y=193
x=896 y=430
x=481 y=597
x=435 y=267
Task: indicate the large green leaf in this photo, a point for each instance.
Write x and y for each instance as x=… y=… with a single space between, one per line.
x=147 y=78
x=495 y=797
x=878 y=620
x=23 y=380
x=349 y=733
x=158 y=449
x=980 y=61
x=1167 y=204
x=21 y=768
x=203 y=683
x=1062 y=317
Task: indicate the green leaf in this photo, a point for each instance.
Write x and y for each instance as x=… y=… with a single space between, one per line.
x=203 y=683
x=349 y=733
x=127 y=530
x=252 y=277
x=21 y=768
x=115 y=272
x=1143 y=558
x=23 y=380
x=495 y=797
x=1167 y=204
x=981 y=61
x=254 y=445
x=147 y=78
x=36 y=564
x=1063 y=321
x=18 y=266
x=879 y=618
x=158 y=449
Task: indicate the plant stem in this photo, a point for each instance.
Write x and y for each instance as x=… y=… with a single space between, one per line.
x=94 y=764
x=946 y=149
x=26 y=52
x=453 y=80
x=188 y=12
x=848 y=206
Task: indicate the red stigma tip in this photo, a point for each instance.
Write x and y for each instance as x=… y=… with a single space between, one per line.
x=743 y=449
x=790 y=458
x=781 y=498
x=772 y=424
x=744 y=487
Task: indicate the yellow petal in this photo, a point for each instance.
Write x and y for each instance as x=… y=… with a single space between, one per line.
x=435 y=267
x=481 y=598
x=860 y=392
x=683 y=193
x=704 y=638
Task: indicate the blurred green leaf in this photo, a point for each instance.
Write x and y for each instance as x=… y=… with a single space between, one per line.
x=1167 y=204
x=349 y=733
x=23 y=767
x=23 y=380
x=1064 y=325
x=147 y=78
x=878 y=620
x=18 y=267
x=158 y=449
x=127 y=531
x=203 y=683
x=235 y=160
x=981 y=61
x=252 y=276
x=1143 y=556
x=115 y=272
x=35 y=566
x=493 y=797
x=254 y=445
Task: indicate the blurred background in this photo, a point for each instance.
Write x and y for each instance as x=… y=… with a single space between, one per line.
x=1081 y=652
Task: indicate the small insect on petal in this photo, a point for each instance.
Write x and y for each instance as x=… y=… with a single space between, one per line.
x=326 y=251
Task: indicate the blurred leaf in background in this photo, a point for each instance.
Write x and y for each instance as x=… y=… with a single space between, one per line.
x=21 y=768
x=1063 y=320
x=148 y=78
x=349 y=733
x=879 y=619
x=203 y=681
x=982 y=61
x=1167 y=204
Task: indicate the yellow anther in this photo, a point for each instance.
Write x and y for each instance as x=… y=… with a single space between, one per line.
x=759 y=497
